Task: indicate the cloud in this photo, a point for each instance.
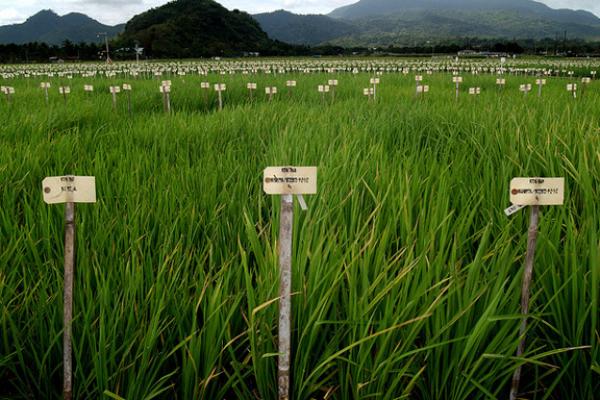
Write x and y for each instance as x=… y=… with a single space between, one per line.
x=590 y=5
x=11 y=16
x=299 y=6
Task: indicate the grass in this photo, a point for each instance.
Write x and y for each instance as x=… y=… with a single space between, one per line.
x=406 y=271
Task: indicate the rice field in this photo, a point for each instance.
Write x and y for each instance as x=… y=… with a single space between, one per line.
x=406 y=271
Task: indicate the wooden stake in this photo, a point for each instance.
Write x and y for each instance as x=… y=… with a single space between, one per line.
x=129 y=103
x=285 y=289
x=525 y=294
x=68 y=300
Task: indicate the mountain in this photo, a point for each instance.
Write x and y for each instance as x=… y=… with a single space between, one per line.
x=369 y=8
x=303 y=29
x=48 y=27
x=383 y=22
x=195 y=28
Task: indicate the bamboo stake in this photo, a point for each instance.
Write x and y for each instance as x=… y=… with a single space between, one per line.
x=285 y=288
x=525 y=294
x=68 y=300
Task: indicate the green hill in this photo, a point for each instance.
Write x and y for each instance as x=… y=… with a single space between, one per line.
x=382 y=22
x=303 y=29
x=195 y=28
x=409 y=22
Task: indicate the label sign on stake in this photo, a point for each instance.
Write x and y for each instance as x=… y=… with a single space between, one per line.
x=69 y=190
x=45 y=86
x=422 y=89
x=540 y=83
x=572 y=87
x=537 y=191
x=457 y=80
x=533 y=192
x=127 y=89
x=220 y=88
x=290 y=180
x=251 y=87
x=166 y=92
x=375 y=82
x=270 y=91
x=287 y=181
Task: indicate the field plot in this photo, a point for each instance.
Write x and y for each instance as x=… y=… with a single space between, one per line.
x=406 y=272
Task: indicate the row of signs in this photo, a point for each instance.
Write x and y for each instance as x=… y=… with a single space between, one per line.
x=303 y=180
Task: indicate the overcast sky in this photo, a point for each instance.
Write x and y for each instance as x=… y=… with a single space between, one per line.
x=118 y=11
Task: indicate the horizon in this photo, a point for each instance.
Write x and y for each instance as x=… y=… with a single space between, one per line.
x=121 y=11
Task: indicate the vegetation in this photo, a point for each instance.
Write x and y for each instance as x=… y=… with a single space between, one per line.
x=196 y=28
x=406 y=271
x=402 y=23
x=303 y=29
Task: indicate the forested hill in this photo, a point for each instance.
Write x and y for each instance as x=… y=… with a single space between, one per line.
x=196 y=28
x=410 y=22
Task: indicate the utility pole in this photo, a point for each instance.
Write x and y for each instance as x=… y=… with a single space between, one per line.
x=108 y=61
x=138 y=51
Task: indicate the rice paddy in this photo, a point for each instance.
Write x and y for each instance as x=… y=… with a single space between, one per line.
x=406 y=272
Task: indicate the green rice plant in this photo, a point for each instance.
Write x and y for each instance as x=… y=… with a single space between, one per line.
x=406 y=273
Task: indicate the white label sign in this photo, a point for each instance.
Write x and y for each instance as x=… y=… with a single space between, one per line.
x=290 y=180
x=537 y=191
x=69 y=189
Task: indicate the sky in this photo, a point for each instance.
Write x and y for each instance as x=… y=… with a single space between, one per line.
x=113 y=12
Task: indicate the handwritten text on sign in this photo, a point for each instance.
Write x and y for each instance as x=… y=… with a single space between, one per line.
x=537 y=191
x=69 y=189
x=290 y=180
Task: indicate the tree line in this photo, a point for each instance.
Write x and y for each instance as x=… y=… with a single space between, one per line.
x=76 y=52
